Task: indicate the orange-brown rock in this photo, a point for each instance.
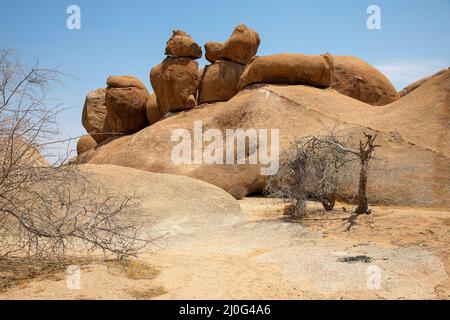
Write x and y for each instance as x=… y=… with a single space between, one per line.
x=220 y=81
x=213 y=51
x=125 y=82
x=182 y=45
x=85 y=143
x=356 y=78
x=95 y=118
x=173 y=81
x=242 y=45
x=126 y=104
x=152 y=109
x=313 y=70
x=406 y=153
x=201 y=72
x=191 y=102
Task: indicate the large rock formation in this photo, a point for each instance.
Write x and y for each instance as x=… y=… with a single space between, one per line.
x=220 y=81
x=182 y=45
x=242 y=45
x=126 y=104
x=413 y=86
x=358 y=79
x=407 y=154
x=95 y=117
x=173 y=81
x=213 y=51
x=289 y=69
x=85 y=143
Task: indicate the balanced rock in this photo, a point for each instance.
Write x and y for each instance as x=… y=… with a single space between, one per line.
x=174 y=80
x=314 y=70
x=95 y=117
x=242 y=46
x=152 y=109
x=126 y=104
x=213 y=51
x=220 y=81
x=356 y=78
x=85 y=143
x=182 y=45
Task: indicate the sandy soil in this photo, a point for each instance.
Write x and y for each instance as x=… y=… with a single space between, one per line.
x=264 y=255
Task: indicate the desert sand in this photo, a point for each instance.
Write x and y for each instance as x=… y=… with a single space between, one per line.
x=262 y=254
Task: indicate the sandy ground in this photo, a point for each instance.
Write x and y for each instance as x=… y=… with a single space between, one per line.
x=264 y=255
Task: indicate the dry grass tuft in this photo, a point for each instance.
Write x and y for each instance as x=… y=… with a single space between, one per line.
x=147 y=294
x=19 y=271
x=133 y=269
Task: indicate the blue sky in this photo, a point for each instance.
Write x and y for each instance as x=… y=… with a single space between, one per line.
x=128 y=37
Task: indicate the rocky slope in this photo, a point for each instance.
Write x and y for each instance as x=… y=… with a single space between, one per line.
x=413 y=165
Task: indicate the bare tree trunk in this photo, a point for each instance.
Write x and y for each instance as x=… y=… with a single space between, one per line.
x=300 y=208
x=366 y=150
x=363 y=204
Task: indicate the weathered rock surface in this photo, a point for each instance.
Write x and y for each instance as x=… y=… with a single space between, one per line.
x=125 y=82
x=172 y=204
x=220 y=81
x=213 y=51
x=356 y=78
x=173 y=81
x=182 y=45
x=85 y=143
x=413 y=86
x=191 y=102
x=19 y=152
x=126 y=104
x=242 y=45
x=152 y=109
x=289 y=69
x=95 y=117
x=406 y=154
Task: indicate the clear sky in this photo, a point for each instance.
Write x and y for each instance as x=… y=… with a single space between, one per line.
x=128 y=37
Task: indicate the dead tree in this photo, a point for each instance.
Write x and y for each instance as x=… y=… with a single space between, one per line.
x=315 y=167
x=364 y=155
x=310 y=170
x=46 y=210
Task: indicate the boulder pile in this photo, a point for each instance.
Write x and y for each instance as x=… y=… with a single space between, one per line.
x=176 y=79
x=406 y=154
x=228 y=60
x=294 y=91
